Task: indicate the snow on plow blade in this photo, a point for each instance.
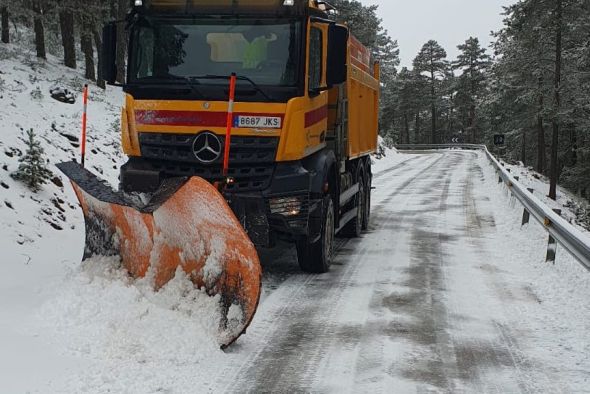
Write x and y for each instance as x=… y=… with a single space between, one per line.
x=186 y=224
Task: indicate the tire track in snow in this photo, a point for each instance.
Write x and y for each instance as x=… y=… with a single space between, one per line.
x=530 y=376
x=421 y=315
x=393 y=315
x=282 y=333
x=396 y=167
x=372 y=366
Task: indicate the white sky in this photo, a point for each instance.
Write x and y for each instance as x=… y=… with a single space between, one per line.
x=450 y=22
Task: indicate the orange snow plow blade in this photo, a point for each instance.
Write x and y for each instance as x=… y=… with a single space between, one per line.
x=186 y=224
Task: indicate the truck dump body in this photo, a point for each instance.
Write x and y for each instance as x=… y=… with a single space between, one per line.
x=363 y=100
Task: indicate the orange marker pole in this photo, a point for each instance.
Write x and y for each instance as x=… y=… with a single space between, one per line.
x=84 y=118
x=230 y=119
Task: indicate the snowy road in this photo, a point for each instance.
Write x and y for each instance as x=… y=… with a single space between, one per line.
x=446 y=293
x=416 y=305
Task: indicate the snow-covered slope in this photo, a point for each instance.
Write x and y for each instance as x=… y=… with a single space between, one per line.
x=58 y=317
x=26 y=103
x=41 y=235
x=573 y=208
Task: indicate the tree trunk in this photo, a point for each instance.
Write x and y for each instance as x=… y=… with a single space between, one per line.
x=554 y=175
x=472 y=124
x=541 y=158
x=406 y=139
x=121 y=40
x=417 y=133
x=100 y=82
x=574 y=144
x=433 y=109
x=523 y=147
x=5 y=27
x=472 y=109
x=87 y=49
x=66 y=23
x=113 y=7
x=39 y=31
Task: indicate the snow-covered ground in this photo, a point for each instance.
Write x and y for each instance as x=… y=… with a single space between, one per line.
x=445 y=293
x=42 y=234
x=573 y=208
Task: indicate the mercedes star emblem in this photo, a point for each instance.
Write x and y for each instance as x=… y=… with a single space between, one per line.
x=207 y=147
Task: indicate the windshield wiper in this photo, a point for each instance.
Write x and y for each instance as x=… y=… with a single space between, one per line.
x=239 y=78
x=190 y=83
x=169 y=82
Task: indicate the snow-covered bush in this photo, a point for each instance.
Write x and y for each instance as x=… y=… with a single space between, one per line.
x=37 y=94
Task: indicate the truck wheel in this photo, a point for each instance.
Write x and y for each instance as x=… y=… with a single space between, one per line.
x=367 y=206
x=353 y=228
x=316 y=257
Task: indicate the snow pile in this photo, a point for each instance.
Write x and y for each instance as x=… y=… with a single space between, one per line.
x=386 y=157
x=101 y=314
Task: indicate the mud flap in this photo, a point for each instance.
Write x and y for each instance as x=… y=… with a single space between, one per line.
x=185 y=224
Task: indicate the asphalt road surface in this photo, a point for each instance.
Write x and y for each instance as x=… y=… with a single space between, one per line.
x=416 y=305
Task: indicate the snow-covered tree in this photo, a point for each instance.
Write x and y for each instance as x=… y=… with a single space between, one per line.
x=539 y=88
x=32 y=169
x=472 y=63
x=431 y=63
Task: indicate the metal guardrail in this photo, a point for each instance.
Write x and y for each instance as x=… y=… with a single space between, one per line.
x=573 y=240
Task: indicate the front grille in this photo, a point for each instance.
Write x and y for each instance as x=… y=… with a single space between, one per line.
x=251 y=160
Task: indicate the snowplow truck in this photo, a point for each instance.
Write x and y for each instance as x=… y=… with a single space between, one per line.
x=251 y=119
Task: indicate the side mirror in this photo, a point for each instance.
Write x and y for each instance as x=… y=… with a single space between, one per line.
x=109 y=53
x=337 y=55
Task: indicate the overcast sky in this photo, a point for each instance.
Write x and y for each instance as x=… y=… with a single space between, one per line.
x=450 y=22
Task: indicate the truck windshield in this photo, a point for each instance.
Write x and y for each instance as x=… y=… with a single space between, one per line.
x=264 y=51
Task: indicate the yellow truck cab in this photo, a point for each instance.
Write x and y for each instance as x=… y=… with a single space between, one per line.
x=305 y=118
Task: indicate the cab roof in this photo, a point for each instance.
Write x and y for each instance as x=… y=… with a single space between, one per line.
x=233 y=7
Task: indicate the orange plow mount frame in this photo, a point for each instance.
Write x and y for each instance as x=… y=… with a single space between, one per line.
x=186 y=223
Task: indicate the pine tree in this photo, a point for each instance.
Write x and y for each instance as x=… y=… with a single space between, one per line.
x=431 y=61
x=32 y=169
x=473 y=63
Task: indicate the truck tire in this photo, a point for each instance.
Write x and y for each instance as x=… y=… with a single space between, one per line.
x=367 y=205
x=316 y=257
x=353 y=229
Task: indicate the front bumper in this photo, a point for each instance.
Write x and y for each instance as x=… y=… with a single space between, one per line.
x=285 y=210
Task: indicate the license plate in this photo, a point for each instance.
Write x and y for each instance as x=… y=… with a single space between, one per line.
x=263 y=122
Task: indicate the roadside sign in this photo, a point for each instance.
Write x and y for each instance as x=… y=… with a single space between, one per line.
x=457 y=140
x=499 y=139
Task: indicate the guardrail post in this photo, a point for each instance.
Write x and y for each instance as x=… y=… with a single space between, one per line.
x=552 y=245
x=526 y=215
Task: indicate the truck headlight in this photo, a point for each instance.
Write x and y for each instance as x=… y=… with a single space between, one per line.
x=286 y=206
